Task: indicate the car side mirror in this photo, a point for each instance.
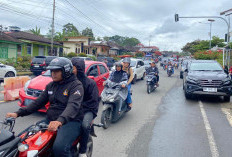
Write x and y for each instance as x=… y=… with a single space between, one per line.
x=226 y=71
x=91 y=77
x=186 y=70
x=104 y=78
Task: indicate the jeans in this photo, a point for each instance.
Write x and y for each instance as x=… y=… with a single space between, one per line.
x=86 y=128
x=128 y=99
x=66 y=135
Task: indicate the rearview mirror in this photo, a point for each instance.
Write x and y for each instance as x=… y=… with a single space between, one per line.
x=186 y=70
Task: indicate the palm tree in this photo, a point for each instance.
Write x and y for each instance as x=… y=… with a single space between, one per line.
x=36 y=31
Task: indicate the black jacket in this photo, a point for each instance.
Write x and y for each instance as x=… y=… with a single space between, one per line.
x=91 y=94
x=155 y=70
x=65 y=101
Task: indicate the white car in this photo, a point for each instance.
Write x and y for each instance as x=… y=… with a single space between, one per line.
x=6 y=71
x=138 y=68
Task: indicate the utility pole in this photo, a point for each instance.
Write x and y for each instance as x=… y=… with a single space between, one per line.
x=52 y=41
x=210 y=20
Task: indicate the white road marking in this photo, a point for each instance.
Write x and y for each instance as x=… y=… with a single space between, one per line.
x=212 y=143
x=226 y=111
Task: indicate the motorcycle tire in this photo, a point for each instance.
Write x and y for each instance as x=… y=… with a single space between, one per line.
x=134 y=80
x=148 y=89
x=89 y=150
x=105 y=118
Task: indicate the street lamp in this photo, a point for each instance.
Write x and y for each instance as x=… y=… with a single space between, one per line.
x=210 y=20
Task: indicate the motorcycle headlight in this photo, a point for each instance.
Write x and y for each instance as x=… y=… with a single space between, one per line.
x=23 y=147
x=26 y=85
x=112 y=100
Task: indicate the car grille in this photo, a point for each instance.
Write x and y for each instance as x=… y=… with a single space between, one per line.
x=210 y=83
x=34 y=92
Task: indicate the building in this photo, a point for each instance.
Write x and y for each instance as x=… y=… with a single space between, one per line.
x=79 y=44
x=8 y=46
x=34 y=45
x=148 y=50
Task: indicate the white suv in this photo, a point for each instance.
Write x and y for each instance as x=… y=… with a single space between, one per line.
x=6 y=71
x=138 y=69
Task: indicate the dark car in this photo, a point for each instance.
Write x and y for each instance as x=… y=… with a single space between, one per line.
x=40 y=63
x=108 y=60
x=206 y=77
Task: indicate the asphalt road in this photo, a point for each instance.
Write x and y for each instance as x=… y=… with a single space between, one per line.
x=200 y=127
x=120 y=139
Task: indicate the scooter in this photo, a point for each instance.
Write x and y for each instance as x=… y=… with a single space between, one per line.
x=114 y=102
x=36 y=141
x=170 y=70
x=151 y=82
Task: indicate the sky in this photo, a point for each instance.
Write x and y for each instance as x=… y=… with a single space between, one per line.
x=150 y=21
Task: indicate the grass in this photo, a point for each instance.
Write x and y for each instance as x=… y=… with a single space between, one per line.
x=22 y=73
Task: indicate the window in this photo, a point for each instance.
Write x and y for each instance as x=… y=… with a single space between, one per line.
x=29 y=49
x=142 y=63
x=102 y=69
x=93 y=71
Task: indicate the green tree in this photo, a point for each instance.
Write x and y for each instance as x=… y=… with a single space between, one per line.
x=130 y=42
x=36 y=31
x=88 y=32
x=216 y=41
x=189 y=47
x=70 y=30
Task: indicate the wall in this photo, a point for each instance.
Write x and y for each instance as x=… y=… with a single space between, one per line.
x=72 y=47
x=35 y=50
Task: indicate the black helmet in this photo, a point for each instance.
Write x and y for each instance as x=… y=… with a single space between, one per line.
x=64 y=64
x=126 y=60
x=118 y=64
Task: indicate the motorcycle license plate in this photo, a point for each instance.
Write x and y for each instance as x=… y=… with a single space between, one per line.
x=212 y=90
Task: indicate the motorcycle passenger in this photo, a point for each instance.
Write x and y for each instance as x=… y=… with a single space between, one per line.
x=65 y=94
x=90 y=102
x=154 y=69
x=127 y=68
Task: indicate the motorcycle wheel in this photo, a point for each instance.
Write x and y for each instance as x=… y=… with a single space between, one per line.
x=89 y=150
x=105 y=118
x=148 y=89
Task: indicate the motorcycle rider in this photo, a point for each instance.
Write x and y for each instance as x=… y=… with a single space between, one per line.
x=170 y=64
x=90 y=102
x=65 y=94
x=118 y=76
x=154 y=69
x=127 y=68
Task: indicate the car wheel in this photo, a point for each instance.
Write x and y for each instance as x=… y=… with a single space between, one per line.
x=227 y=98
x=10 y=74
x=144 y=74
x=134 y=79
x=187 y=96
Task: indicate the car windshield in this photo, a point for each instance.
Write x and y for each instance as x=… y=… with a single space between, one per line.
x=133 y=63
x=205 y=67
x=38 y=60
x=147 y=62
x=47 y=73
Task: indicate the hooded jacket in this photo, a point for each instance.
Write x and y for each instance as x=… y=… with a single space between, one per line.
x=91 y=94
x=65 y=101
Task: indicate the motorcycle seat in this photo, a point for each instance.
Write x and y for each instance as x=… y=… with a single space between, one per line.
x=5 y=136
x=10 y=144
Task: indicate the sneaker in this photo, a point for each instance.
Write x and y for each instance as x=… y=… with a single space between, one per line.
x=82 y=155
x=128 y=109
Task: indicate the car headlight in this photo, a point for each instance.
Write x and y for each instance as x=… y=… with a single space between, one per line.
x=23 y=147
x=191 y=79
x=26 y=85
x=227 y=81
